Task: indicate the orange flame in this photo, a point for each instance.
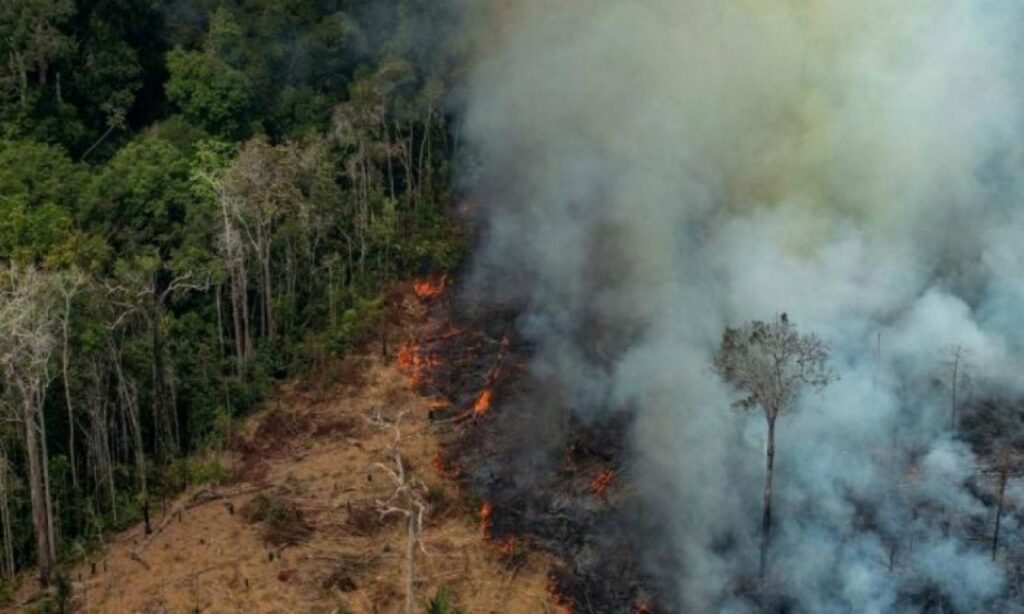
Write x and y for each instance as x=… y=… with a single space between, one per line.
x=507 y=546
x=644 y=607
x=560 y=600
x=427 y=289
x=408 y=356
x=483 y=403
x=599 y=485
x=446 y=467
x=485 y=517
x=412 y=363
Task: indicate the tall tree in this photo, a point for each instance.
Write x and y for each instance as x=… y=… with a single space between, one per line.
x=28 y=324
x=772 y=364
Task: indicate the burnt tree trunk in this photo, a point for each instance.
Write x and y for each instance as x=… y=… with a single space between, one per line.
x=766 y=514
x=1003 y=478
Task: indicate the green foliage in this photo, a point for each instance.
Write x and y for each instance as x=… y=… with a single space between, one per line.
x=197 y=471
x=141 y=197
x=209 y=92
x=443 y=602
x=237 y=187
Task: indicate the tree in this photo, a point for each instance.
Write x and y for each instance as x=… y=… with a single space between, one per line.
x=31 y=39
x=28 y=324
x=407 y=501
x=210 y=93
x=957 y=368
x=772 y=364
x=261 y=188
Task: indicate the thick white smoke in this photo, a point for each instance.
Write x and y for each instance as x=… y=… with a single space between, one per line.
x=654 y=170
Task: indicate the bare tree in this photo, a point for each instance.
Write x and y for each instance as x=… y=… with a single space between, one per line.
x=69 y=284
x=1008 y=462
x=258 y=190
x=27 y=340
x=958 y=372
x=406 y=501
x=771 y=363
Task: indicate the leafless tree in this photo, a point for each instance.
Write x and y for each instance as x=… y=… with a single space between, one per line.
x=958 y=379
x=1008 y=462
x=259 y=189
x=68 y=284
x=771 y=362
x=28 y=324
x=407 y=501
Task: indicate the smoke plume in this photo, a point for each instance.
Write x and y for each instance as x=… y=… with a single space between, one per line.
x=652 y=171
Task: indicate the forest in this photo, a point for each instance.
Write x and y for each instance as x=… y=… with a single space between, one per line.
x=197 y=199
x=602 y=306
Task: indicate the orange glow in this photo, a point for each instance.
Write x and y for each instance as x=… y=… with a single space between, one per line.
x=485 y=518
x=408 y=356
x=437 y=404
x=483 y=403
x=450 y=469
x=507 y=546
x=644 y=607
x=412 y=363
x=560 y=600
x=599 y=485
x=427 y=289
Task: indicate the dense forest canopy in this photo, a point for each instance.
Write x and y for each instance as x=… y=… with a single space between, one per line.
x=196 y=198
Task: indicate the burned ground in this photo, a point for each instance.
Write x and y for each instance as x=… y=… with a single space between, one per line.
x=544 y=477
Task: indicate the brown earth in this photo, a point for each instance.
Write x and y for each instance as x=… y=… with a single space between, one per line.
x=298 y=528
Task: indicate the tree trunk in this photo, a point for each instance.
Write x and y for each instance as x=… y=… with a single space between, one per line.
x=956 y=377
x=161 y=418
x=44 y=454
x=5 y=517
x=766 y=515
x=65 y=360
x=37 y=493
x=130 y=408
x=410 y=553
x=1003 y=477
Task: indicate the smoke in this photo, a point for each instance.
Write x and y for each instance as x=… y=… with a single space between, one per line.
x=654 y=170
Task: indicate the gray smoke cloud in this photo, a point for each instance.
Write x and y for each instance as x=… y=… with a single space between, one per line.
x=652 y=171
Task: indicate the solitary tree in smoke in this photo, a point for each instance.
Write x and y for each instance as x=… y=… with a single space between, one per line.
x=771 y=363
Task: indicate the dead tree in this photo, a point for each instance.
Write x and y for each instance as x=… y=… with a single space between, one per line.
x=27 y=341
x=957 y=368
x=1008 y=463
x=406 y=501
x=771 y=363
x=69 y=284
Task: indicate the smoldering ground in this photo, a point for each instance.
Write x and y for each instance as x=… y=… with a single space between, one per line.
x=652 y=171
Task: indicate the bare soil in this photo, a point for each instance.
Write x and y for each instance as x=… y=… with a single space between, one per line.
x=297 y=529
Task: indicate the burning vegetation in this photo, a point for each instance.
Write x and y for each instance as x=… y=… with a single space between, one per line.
x=472 y=369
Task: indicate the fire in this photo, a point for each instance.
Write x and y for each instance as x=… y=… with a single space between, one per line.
x=560 y=600
x=446 y=467
x=483 y=403
x=427 y=289
x=408 y=356
x=507 y=546
x=486 y=510
x=644 y=607
x=413 y=363
x=599 y=485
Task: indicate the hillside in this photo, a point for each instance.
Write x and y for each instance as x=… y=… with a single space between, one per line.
x=310 y=455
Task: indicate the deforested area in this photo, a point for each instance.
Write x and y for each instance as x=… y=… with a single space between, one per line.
x=511 y=306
